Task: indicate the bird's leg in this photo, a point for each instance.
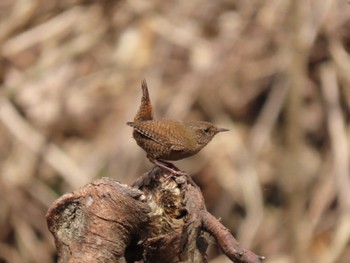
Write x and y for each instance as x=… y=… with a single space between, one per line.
x=166 y=166
x=169 y=167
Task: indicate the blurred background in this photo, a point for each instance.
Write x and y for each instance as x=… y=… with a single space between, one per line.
x=276 y=73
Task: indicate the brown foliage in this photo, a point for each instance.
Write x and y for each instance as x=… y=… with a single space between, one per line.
x=276 y=73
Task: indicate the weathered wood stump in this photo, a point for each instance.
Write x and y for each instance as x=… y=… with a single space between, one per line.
x=162 y=218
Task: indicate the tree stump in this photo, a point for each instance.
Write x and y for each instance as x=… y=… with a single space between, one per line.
x=162 y=218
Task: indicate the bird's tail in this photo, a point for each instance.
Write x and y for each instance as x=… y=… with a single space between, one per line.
x=145 y=111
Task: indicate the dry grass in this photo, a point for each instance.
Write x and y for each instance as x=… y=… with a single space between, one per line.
x=275 y=72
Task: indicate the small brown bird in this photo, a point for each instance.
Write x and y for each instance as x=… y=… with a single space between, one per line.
x=164 y=139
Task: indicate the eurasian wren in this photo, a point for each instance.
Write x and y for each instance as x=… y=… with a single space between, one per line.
x=164 y=139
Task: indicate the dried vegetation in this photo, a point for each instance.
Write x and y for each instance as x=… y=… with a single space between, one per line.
x=277 y=73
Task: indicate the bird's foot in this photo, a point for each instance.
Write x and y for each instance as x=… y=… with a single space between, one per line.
x=170 y=168
x=177 y=174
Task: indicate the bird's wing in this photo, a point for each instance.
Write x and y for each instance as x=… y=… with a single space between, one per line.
x=177 y=147
x=159 y=132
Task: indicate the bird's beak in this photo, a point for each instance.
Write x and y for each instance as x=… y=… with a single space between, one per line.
x=222 y=130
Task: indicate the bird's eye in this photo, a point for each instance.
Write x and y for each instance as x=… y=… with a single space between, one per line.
x=206 y=130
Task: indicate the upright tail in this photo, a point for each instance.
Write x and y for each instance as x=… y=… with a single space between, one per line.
x=145 y=111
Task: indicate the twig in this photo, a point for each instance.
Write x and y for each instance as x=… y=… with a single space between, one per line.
x=228 y=244
x=52 y=28
x=340 y=144
x=22 y=13
x=262 y=128
x=35 y=141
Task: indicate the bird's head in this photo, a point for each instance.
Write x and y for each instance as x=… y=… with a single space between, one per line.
x=204 y=131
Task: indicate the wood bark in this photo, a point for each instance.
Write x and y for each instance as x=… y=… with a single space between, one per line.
x=161 y=218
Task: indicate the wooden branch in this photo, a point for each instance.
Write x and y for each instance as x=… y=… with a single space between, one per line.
x=98 y=222
x=162 y=218
x=227 y=243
